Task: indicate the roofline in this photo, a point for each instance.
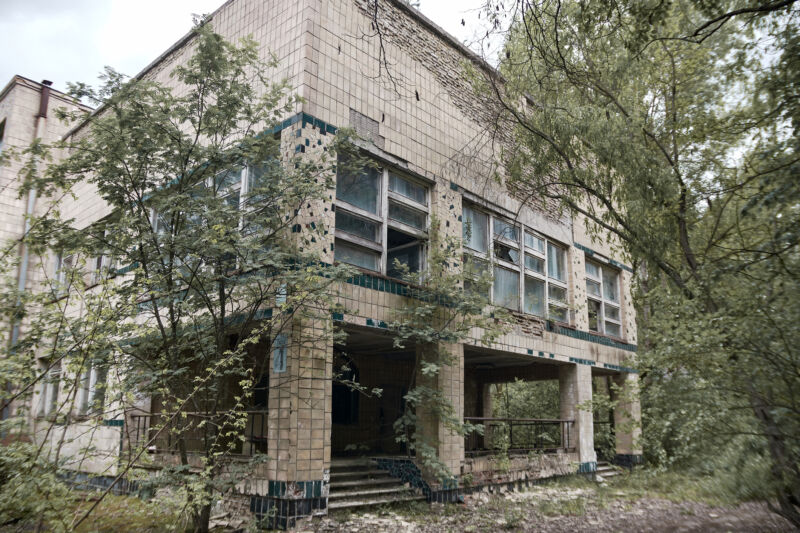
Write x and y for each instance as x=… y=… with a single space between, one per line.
x=180 y=43
x=407 y=8
x=16 y=79
x=442 y=33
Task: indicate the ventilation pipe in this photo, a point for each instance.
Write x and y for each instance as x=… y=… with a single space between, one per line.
x=40 y=123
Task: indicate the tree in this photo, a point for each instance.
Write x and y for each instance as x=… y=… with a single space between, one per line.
x=446 y=304
x=672 y=128
x=202 y=267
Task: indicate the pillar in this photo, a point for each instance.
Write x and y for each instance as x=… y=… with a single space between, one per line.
x=295 y=483
x=449 y=381
x=488 y=412
x=628 y=420
x=575 y=392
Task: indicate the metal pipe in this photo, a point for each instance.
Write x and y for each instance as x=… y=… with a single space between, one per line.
x=22 y=280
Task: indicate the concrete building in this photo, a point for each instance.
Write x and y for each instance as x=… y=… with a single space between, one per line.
x=426 y=127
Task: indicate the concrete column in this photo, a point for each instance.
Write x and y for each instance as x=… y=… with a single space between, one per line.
x=488 y=412
x=449 y=382
x=628 y=420
x=299 y=405
x=575 y=388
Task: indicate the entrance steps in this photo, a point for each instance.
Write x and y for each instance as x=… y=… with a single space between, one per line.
x=358 y=483
x=606 y=470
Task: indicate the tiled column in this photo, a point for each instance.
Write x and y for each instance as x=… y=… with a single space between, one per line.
x=628 y=420
x=449 y=381
x=575 y=390
x=298 y=427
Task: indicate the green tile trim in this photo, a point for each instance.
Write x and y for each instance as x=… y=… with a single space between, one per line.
x=587 y=468
x=619 y=368
x=114 y=423
x=590 y=252
x=589 y=337
x=587 y=362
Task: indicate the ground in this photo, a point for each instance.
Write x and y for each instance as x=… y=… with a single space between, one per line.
x=570 y=505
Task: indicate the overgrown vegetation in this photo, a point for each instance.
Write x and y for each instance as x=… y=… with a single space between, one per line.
x=196 y=273
x=673 y=127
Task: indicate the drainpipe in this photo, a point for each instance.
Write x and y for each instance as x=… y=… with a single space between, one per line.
x=40 y=123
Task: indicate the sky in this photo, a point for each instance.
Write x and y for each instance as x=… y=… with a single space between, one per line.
x=68 y=41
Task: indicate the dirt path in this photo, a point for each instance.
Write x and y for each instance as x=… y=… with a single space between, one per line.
x=558 y=510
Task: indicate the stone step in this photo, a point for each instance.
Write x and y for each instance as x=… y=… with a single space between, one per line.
x=358 y=474
x=368 y=494
x=340 y=485
x=351 y=465
x=336 y=505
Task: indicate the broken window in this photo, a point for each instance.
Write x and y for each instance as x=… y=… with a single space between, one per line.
x=385 y=235
x=602 y=291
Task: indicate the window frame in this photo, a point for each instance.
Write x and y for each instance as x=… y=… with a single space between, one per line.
x=521 y=246
x=602 y=300
x=380 y=248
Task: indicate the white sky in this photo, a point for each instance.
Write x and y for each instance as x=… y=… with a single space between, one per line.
x=72 y=40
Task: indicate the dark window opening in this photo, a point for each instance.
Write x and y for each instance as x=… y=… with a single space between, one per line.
x=344 y=401
x=403 y=248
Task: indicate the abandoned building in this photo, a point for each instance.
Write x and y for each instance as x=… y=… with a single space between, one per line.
x=569 y=295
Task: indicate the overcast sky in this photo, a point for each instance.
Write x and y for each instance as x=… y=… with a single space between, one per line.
x=72 y=40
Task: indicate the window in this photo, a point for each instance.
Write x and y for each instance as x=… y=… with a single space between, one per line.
x=602 y=290
x=64 y=265
x=48 y=391
x=381 y=219
x=556 y=262
x=529 y=271
x=280 y=347
x=92 y=393
x=506 y=288
x=475 y=229
x=2 y=133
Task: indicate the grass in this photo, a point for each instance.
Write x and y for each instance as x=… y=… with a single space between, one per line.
x=123 y=514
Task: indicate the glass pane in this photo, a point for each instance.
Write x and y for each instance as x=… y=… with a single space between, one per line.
x=407 y=256
x=534 y=296
x=592 y=270
x=555 y=262
x=593 y=287
x=610 y=286
x=228 y=179
x=506 y=288
x=258 y=175
x=557 y=293
x=410 y=190
x=534 y=242
x=359 y=188
x=534 y=263
x=505 y=230
x=357 y=226
x=594 y=315
x=613 y=329
x=473 y=266
x=506 y=253
x=406 y=215
x=612 y=312
x=347 y=253
x=558 y=313
x=475 y=226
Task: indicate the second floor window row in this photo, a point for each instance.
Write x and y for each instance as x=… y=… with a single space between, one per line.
x=381 y=219
x=530 y=271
